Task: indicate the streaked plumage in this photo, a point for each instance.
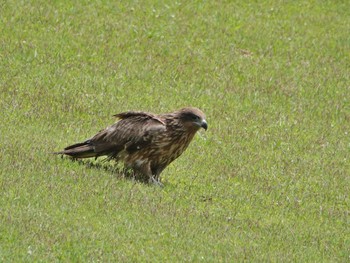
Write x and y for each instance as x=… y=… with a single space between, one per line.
x=145 y=142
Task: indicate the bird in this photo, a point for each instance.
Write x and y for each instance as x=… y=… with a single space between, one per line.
x=144 y=142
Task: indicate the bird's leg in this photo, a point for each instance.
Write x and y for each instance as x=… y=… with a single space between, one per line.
x=153 y=177
x=156 y=175
x=158 y=171
x=154 y=181
x=146 y=171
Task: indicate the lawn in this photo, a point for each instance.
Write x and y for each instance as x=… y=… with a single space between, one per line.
x=268 y=182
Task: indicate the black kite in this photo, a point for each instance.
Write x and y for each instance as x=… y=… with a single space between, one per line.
x=143 y=141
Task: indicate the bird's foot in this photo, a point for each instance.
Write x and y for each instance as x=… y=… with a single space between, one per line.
x=155 y=181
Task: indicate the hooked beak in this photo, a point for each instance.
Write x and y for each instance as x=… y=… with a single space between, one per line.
x=204 y=125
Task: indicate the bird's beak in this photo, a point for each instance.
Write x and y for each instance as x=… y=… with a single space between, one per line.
x=204 y=125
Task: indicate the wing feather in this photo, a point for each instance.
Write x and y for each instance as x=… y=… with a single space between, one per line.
x=134 y=131
x=139 y=114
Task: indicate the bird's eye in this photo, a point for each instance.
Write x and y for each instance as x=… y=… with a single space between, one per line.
x=191 y=117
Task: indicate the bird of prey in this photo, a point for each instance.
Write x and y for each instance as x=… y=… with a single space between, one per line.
x=145 y=142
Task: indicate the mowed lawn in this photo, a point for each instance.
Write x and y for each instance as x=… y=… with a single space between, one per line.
x=268 y=182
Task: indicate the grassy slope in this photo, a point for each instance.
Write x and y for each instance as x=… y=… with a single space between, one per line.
x=268 y=181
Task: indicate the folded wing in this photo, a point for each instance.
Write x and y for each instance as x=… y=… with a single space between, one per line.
x=134 y=131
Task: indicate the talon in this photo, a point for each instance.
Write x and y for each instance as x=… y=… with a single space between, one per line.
x=155 y=181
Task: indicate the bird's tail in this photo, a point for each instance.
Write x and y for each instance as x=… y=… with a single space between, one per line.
x=80 y=150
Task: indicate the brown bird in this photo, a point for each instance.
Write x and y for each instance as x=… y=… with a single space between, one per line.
x=144 y=142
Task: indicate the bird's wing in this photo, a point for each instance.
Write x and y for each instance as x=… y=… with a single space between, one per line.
x=134 y=131
x=140 y=115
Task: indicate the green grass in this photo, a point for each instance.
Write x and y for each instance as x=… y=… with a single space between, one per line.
x=268 y=181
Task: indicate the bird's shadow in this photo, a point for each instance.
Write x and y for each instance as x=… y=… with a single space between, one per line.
x=114 y=168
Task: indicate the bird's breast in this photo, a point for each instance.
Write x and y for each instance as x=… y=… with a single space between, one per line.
x=162 y=151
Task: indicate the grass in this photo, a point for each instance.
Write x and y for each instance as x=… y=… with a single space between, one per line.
x=268 y=181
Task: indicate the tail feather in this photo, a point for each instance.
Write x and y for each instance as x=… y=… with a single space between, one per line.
x=80 y=150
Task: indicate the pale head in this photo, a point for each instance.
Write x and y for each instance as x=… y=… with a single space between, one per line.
x=192 y=118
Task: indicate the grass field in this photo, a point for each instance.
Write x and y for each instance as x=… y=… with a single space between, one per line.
x=268 y=181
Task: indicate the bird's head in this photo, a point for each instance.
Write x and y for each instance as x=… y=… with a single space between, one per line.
x=193 y=119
